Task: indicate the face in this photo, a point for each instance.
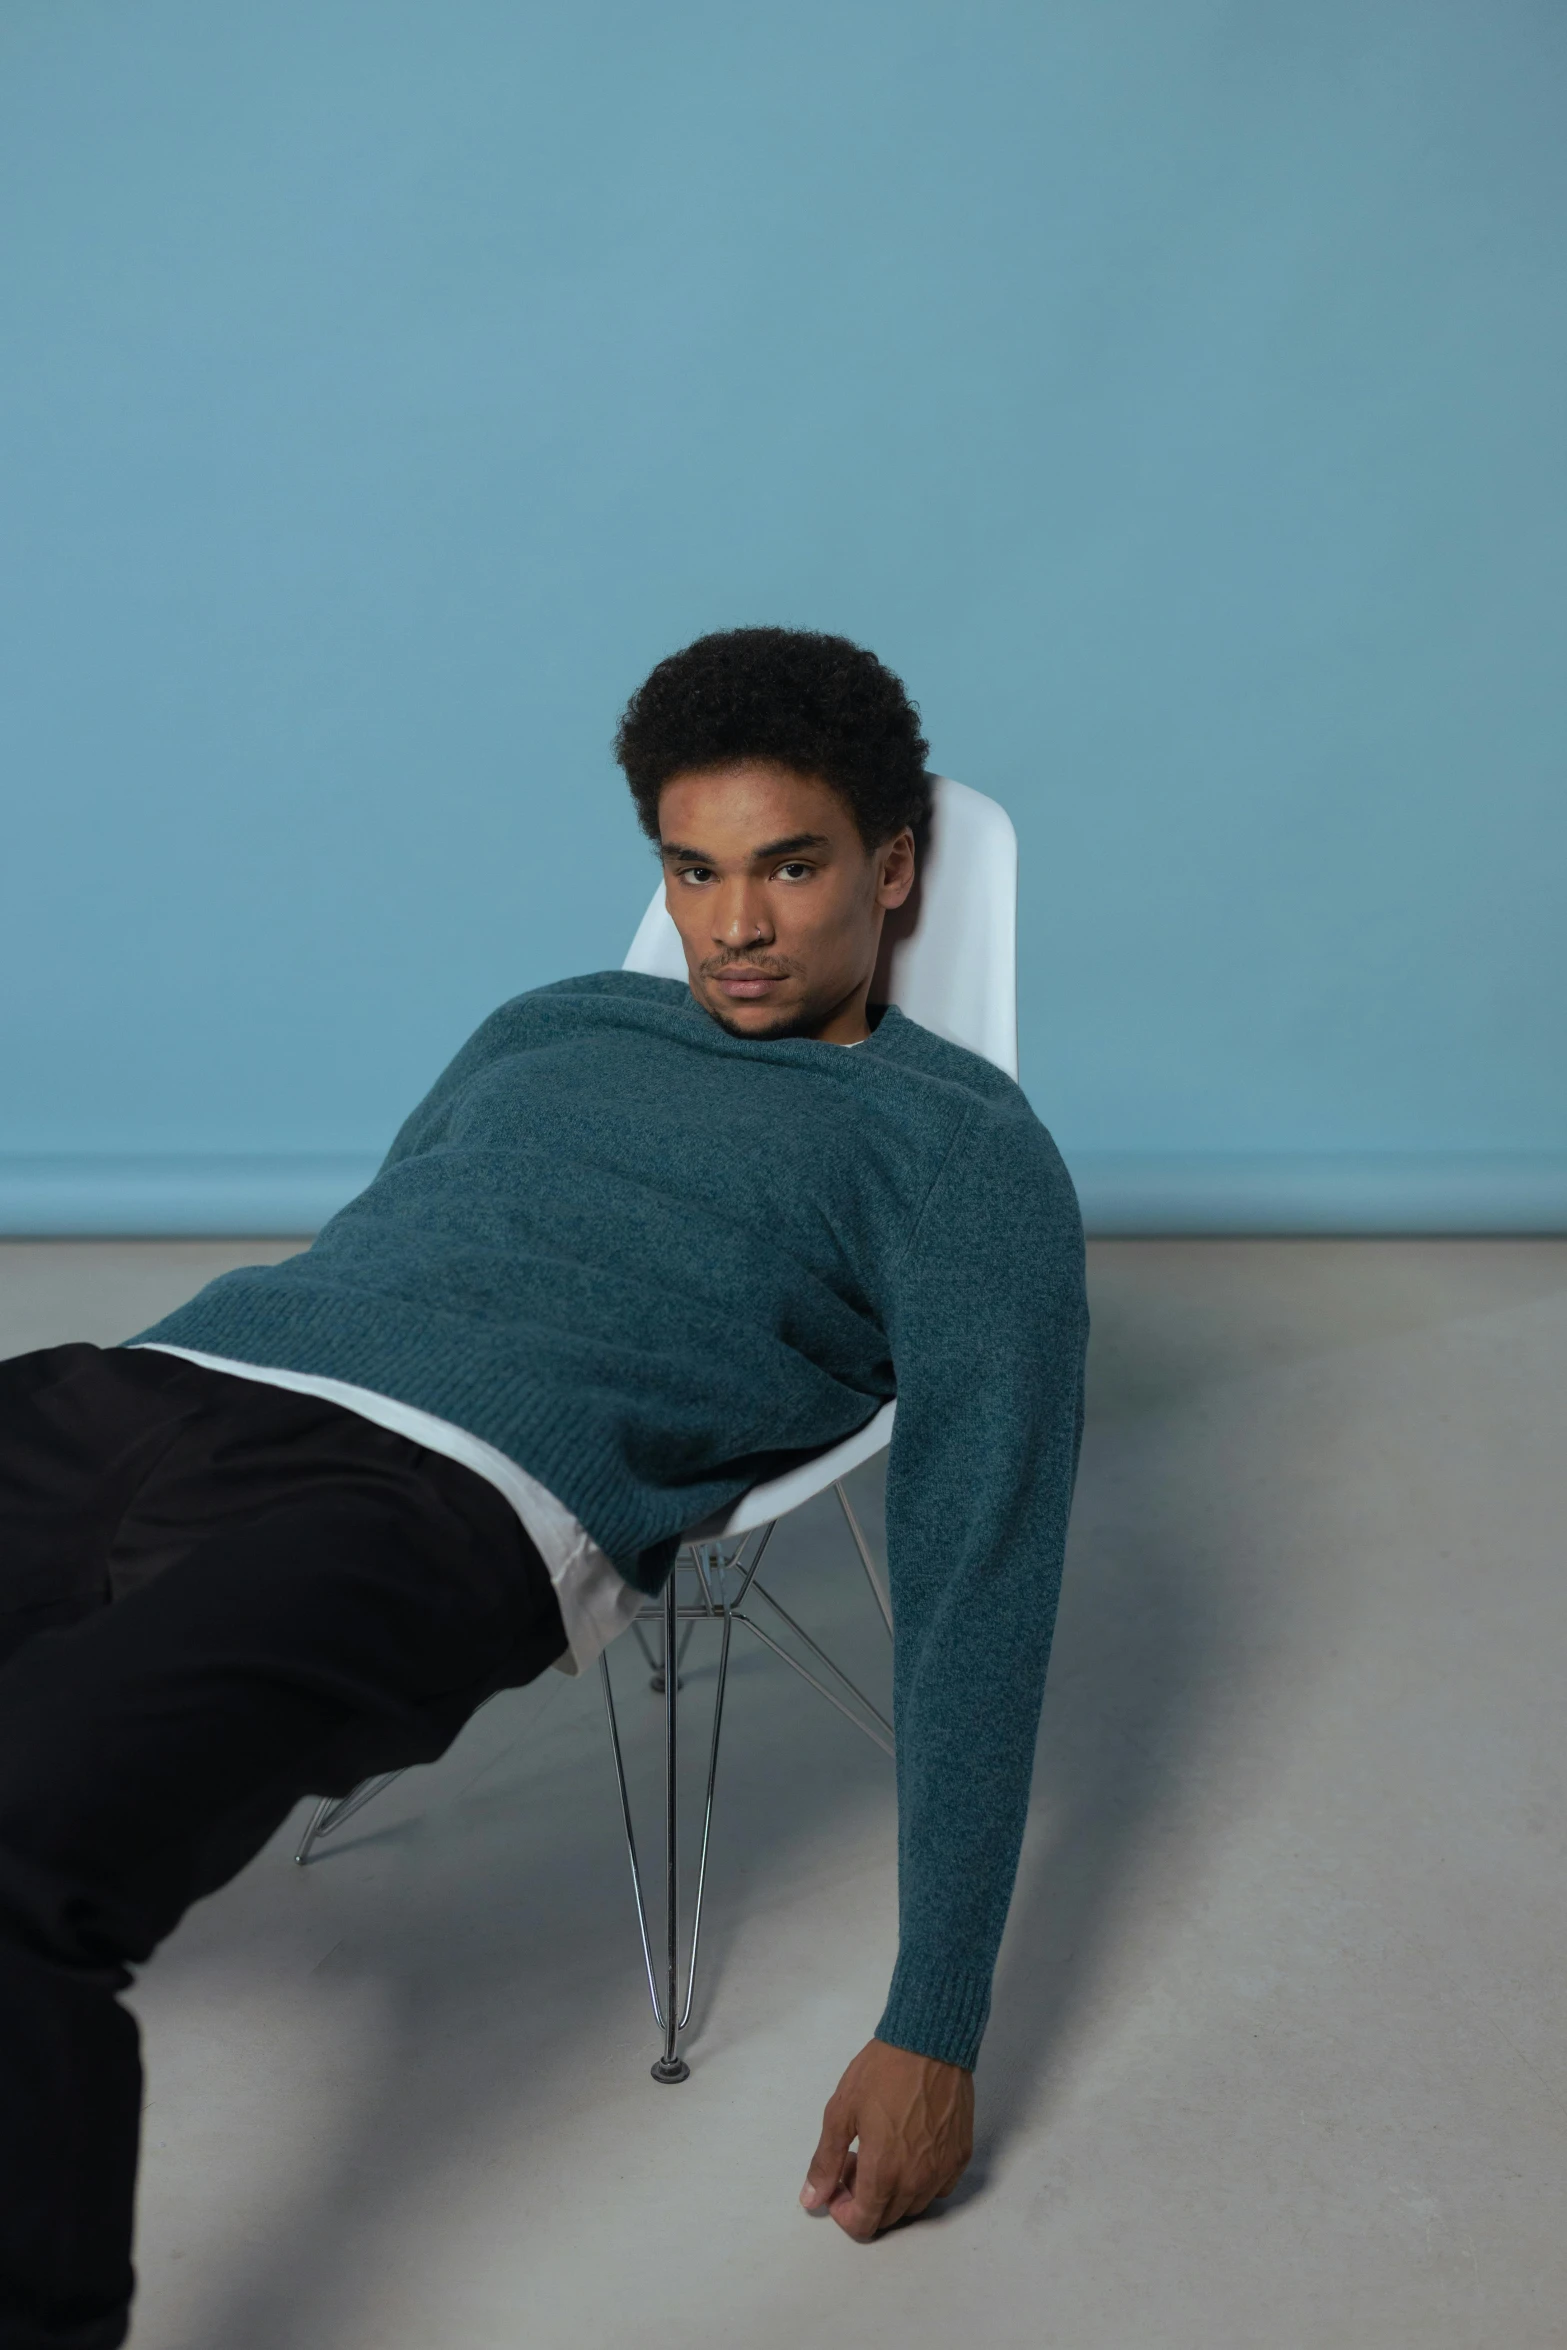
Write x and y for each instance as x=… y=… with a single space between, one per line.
x=778 y=902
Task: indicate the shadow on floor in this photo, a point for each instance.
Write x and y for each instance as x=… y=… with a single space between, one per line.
x=1166 y=1630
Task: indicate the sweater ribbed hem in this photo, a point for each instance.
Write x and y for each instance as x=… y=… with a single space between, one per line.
x=458 y=1371
x=936 y=2011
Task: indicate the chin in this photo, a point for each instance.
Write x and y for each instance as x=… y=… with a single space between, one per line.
x=767 y=1030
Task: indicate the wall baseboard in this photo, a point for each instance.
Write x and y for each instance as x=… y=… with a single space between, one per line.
x=193 y=1196
x=263 y=1197
x=1388 y=1192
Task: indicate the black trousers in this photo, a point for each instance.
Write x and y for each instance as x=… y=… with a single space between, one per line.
x=215 y=1597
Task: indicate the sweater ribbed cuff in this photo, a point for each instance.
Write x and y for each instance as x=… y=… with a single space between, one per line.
x=936 y=2011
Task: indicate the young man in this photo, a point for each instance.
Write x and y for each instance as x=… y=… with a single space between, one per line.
x=299 y=1530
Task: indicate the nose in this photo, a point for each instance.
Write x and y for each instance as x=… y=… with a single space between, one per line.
x=741 y=917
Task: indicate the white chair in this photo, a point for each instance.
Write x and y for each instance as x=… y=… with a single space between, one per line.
x=949 y=961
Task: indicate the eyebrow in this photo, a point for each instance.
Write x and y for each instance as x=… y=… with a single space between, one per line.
x=770 y=848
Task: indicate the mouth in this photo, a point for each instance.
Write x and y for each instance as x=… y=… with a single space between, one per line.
x=746 y=986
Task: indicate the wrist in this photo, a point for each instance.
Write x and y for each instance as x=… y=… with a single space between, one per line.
x=942 y=2064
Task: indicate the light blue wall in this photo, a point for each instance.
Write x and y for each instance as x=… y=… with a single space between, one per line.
x=1172 y=390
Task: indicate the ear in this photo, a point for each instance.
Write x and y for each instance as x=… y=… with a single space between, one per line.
x=895 y=870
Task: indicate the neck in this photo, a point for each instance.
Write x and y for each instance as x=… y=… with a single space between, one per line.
x=848 y=1024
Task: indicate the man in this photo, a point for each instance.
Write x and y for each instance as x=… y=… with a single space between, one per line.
x=641 y=1246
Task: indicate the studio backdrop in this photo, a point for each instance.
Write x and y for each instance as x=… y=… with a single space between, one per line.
x=1170 y=390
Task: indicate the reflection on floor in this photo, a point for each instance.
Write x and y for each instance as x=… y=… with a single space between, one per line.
x=1276 y=2057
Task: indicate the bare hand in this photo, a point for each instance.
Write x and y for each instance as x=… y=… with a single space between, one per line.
x=914 y=2118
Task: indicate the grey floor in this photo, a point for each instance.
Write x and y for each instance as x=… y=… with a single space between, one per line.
x=1276 y=2057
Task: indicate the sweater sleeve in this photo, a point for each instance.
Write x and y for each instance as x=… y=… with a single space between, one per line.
x=988 y=1323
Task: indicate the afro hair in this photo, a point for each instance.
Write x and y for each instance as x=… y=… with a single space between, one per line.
x=816 y=703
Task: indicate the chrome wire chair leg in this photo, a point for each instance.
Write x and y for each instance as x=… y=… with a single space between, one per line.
x=656 y=1678
x=631 y=1834
x=881 y=1734
x=872 y=1572
x=654 y=1665
x=320 y=1820
x=707 y=1814
x=671 y=2013
x=671 y=2066
x=333 y=1810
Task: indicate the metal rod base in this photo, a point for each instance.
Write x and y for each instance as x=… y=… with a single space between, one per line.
x=670 y=2070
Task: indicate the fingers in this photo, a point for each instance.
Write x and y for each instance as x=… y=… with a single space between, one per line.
x=828 y=2163
x=864 y=2215
x=863 y=2203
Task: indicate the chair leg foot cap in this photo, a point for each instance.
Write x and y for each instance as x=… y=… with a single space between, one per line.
x=670 y=2069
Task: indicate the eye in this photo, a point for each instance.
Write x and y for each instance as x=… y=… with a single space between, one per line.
x=795 y=869
x=696 y=873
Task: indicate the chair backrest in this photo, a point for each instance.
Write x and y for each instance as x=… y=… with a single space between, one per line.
x=949 y=957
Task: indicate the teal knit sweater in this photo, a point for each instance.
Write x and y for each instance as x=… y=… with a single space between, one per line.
x=654 y=1263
